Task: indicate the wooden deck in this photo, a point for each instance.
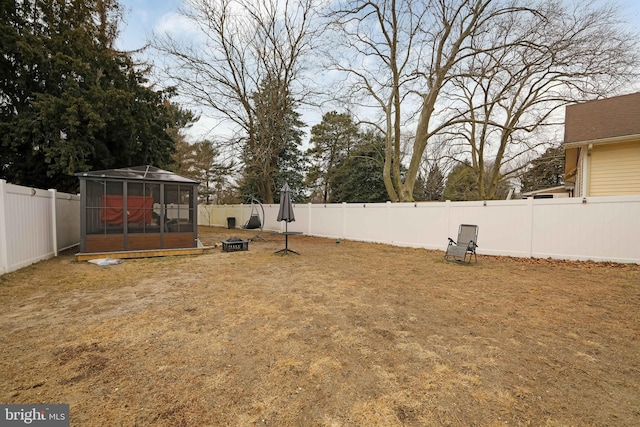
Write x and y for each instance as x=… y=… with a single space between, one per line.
x=142 y=253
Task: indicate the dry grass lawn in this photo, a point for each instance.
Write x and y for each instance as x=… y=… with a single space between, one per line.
x=344 y=334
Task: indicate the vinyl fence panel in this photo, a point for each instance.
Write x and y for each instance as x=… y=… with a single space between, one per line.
x=595 y=228
x=67 y=220
x=600 y=229
x=35 y=224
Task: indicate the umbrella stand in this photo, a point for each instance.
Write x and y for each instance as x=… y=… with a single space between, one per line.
x=285 y=213
x=286 y=233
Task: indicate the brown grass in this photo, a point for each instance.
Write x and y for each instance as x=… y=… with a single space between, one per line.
x=344 y=334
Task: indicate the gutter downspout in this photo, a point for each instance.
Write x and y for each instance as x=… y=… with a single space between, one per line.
x=585 y=171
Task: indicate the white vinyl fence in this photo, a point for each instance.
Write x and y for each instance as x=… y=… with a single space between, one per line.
x=35 y=224
x=595 y=228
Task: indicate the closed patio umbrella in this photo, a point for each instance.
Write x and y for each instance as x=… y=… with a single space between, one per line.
x=285 y=213
x=286 y=207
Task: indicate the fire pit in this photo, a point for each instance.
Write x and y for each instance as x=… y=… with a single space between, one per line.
x=235 y=244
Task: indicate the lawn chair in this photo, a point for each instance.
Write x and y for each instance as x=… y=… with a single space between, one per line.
x=466 y=244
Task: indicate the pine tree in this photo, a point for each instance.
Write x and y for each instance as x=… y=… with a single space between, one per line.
x=461 y=183
x=71 y=102
x=434 y=184
x=545 y=171
x=201 y=161
x=358 y=177
x=272 y=155
x=332 y=140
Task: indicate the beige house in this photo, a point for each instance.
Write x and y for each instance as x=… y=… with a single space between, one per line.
x=602 y=145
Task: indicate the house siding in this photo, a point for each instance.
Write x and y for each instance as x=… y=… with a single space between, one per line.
x=614 y=169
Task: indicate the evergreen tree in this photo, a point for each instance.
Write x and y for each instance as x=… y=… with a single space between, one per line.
x=200 y=161
x=545 y=171
x=434 y=184
x=273 y=157
x=358 y=177
x=70 y=101
x=331 y=139
x=183 y=157
x=461 y=183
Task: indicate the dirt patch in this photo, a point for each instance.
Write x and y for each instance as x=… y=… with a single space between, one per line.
x=346 y=333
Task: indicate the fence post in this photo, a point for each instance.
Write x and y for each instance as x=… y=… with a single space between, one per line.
x=344 y=220
x=447 y=204
x=4 y=259
x=530 y=225
x=388 y=233
x=309 y=219
x=54 y=220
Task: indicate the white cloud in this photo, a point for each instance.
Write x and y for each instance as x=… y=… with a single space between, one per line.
x=174 y=23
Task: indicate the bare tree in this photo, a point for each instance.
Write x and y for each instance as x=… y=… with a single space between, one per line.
x=439 y=158
x=413 y=59
x=401 y=54
x=526 y=68
x=230 y=49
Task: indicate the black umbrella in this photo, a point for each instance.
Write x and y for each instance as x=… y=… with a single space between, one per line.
x=285 y=213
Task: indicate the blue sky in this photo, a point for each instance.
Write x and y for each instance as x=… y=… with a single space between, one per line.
x=142 y=16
